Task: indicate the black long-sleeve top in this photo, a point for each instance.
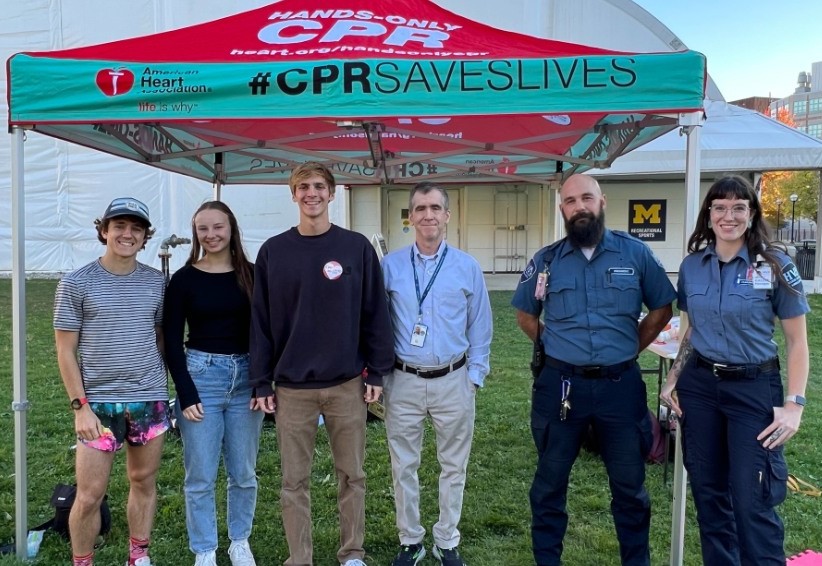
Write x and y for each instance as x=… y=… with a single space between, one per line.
x=319 y=312
x=218 y=313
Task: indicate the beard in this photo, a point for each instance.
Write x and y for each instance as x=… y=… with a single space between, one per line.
x=585 y=230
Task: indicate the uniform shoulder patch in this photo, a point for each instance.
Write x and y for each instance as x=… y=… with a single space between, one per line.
x=791 y=274
x=529 y=271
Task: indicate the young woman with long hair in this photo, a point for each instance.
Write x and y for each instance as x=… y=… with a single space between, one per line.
x=212 y=294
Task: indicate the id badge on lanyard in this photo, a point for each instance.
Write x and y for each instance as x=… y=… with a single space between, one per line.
x=542 y=284
x=420 y=330
x=418 y=335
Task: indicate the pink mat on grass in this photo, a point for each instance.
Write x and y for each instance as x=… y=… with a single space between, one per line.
x=807 y=558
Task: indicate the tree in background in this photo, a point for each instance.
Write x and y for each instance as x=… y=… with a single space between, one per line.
x=780 y=185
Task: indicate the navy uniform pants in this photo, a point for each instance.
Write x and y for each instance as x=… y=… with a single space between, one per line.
x=736 y=483
x=617 y=408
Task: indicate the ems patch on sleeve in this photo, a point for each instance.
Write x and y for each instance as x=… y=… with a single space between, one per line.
x=791 y=274
x=530 y=269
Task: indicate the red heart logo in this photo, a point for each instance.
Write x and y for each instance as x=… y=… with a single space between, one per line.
x=507 y=167
x=113 y=82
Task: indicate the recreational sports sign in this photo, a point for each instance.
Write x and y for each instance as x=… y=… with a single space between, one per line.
x=647 y=219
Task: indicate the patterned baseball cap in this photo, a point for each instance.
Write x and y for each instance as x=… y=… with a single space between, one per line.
x=127 y=206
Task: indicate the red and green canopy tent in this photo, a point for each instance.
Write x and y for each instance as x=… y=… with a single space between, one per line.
x=382 y=91
x=385 y=92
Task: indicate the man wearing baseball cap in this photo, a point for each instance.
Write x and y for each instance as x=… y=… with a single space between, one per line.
x=127 y=206
x=109 y=313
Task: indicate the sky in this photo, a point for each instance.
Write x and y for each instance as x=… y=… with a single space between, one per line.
x=753 y=48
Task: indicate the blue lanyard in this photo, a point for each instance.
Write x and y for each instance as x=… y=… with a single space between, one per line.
x=421 y=298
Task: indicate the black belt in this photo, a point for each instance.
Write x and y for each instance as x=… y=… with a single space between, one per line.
x=591 y=372
x=737 y=371
x=431 y=373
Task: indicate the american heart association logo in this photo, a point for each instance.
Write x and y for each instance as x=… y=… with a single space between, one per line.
x=507 y=167
x=113 y=82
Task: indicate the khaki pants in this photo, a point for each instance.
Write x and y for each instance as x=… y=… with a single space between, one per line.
x=344 y=412
x=449 y=400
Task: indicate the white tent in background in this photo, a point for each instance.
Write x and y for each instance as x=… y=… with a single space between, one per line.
x=733 y=139
x=239 y=130
x=614 y=24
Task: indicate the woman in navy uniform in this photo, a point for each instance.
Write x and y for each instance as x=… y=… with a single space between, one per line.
x=733 y=286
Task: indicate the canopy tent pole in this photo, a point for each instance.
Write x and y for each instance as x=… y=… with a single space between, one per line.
x=219 y=175
x=19 y=403
x=817 y=264
x=692 y=127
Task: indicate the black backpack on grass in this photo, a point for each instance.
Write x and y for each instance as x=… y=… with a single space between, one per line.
x=62 y=499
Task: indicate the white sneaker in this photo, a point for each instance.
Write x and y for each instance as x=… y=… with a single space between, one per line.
x=354 y=562
x=206 y=559
x=240 y=553
x=144 y=561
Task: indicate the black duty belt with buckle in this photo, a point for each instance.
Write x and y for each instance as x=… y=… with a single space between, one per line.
x=591 y=372
x=431 y=373
x=737 y=371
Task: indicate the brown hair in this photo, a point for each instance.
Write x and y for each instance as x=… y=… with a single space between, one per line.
x=757 y=236
x=242 y=267
x=309 y=169
x=102 y=226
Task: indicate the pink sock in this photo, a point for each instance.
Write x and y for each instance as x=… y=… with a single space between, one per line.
x=85 y=560
x=138 y=548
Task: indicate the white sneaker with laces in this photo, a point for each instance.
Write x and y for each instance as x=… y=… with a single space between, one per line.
x=144 y=561
x=206 y=559
x=240 y=554
x=354 y=562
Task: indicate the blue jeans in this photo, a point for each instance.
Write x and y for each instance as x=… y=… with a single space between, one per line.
x=229 y=428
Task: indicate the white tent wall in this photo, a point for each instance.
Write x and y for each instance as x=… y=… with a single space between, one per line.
x=734 y=139
x=68 y=186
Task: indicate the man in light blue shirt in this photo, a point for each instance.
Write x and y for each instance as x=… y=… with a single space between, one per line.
x=442 y=323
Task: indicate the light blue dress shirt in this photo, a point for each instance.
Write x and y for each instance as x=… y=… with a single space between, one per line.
x=457 y=310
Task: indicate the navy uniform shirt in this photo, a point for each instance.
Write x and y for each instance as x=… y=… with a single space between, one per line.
x=592 y=307
x=731 y=321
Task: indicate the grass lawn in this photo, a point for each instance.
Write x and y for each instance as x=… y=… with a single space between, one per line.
x=495 y=523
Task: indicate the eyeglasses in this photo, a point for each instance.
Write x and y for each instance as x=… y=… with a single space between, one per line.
x=737 y=210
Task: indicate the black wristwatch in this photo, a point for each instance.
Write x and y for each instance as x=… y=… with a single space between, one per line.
x=78 y=403
x=798 y=399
